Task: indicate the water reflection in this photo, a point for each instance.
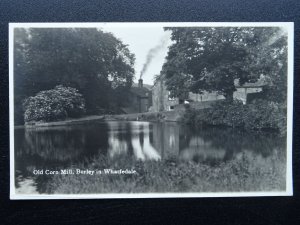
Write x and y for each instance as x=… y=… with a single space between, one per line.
x=200 y=150
x=131 y=138
x=61 y=147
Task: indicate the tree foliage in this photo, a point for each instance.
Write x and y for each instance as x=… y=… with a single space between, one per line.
x=96 y=63
x=212 y=59
x=270 y=59
x=258 y=115
x=58 y=103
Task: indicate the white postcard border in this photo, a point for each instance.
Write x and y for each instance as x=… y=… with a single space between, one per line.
x=289 y=175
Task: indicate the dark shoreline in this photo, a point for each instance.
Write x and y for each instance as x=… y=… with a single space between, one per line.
x=67 y=122
x=169 y=116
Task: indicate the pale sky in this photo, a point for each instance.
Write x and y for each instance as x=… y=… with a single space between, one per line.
x=140 y=40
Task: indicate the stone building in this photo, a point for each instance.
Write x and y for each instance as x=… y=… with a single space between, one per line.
x=162 y=100
x=245 y=92
x=140 y=99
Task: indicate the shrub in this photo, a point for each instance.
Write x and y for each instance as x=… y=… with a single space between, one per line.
x=264 y=115
x=189 y=116
x=221 y=113
x=58 y=103
x=259 y=115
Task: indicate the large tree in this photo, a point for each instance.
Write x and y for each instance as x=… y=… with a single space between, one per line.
x=213 y=58
x=99 y=65
x=270 y=59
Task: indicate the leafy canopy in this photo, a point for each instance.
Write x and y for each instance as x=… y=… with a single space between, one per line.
x=96 y=63
x=213 y=58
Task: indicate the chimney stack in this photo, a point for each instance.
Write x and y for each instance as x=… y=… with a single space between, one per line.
x=140 y=83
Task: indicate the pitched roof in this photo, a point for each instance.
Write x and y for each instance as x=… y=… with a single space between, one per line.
x=258 y=83
x=251 y=85
x=140 y=91
x=148 y=86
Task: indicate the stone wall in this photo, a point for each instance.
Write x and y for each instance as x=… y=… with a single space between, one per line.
x=205 y=96
x=197 y=105
x=140 y=104
x=161 y=100
x=242 y=92
x=143 y=105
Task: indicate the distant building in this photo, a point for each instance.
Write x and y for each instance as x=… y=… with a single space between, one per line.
x=163 y=101
x=161 y=97
x=140 y=99
x=248 y=91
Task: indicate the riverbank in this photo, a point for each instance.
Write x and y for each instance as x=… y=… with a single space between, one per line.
x=260 y=115
x=169 y=116
x=245 y=173
x=69 y=121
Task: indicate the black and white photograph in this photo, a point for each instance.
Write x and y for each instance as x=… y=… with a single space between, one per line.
x=147 y=110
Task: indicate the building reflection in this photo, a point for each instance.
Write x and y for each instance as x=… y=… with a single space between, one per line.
x=166 y=139
x=155 y=141
x=133 y=139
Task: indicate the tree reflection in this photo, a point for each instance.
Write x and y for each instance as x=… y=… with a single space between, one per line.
x=57 y=147
x=222 y=144
x=131 y=139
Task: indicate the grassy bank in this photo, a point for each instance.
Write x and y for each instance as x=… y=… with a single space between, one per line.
x=246 y=172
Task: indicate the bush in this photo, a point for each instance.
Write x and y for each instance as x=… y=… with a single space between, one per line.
x=265 y=115
x=223 y=113
x=56 y=104
x=259 y=115
x=189 y=116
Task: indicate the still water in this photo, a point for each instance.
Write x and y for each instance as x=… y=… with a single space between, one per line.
x=64 y=146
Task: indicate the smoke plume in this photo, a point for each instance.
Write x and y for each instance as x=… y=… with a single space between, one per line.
x=152 y=53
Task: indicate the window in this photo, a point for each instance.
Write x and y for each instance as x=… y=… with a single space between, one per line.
x=170 y=98
x=171 y=107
